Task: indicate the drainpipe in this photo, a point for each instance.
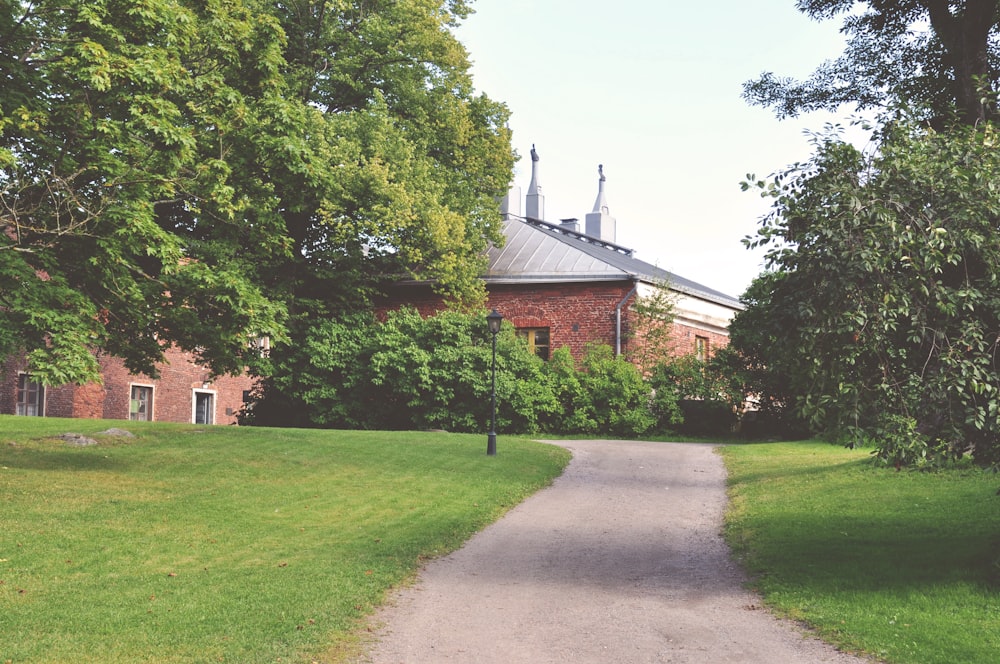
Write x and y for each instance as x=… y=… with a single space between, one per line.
x=618 y=318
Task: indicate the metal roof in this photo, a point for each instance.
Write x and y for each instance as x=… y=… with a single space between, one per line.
x=537 y=252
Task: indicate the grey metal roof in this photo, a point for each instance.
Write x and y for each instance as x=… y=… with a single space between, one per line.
x=536 y=251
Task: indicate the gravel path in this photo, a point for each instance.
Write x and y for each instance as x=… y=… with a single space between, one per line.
x=620 y=560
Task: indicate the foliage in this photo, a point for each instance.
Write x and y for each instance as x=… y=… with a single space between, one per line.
x=941 y=56
x=389 y=168
x=652 y=315
x=251 y=545
x=410 y=372
x=112 y=115
x=882 y=300
x=901 y=565
x=698 y=397
x=898 y=442
x=204 y=173
x=615 y=396
x=400 y=165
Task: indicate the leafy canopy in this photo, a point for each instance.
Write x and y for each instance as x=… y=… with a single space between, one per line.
x=940 y=55
x=201 y=173
x=115 y=117
x=879 y=316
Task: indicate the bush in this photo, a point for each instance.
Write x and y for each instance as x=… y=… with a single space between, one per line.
x=410 y=372
x=619 y=399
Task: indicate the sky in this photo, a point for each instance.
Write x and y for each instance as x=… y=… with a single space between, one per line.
x=652 y=90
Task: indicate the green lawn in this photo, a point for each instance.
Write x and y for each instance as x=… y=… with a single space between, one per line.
x=903 y=565
x=199 y=544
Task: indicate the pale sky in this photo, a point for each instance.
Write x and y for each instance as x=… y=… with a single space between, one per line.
x=651 y=90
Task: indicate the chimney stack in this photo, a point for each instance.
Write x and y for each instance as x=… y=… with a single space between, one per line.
x=570 y=224
x=510 y=205
x=535 y=201
x=600 y=223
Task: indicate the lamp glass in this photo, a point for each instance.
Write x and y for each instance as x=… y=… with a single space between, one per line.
x=493 y=320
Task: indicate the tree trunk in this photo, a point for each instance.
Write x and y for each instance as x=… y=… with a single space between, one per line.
x=966 y=39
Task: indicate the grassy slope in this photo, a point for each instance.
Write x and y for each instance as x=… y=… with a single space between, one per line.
x=903 y=565
x=228 y=544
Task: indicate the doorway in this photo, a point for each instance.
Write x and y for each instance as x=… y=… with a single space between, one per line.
x=204 y=407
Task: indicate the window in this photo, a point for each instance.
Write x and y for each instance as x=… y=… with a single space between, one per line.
x=141 y=403
x=204 y=407
x=30 y=396
x=538 y=340
x=261 y=345
x=701 y=348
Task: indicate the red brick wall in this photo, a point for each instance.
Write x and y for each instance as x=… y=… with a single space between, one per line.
x=683 y=337
x=8 y=384
x=173 y=392
x=575 y=313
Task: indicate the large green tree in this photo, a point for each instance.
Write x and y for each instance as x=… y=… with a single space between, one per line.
x=117 y=117
x=943 y=55
x=401 y=164
x=199 y=173
x=880 y=316
x=398 y=172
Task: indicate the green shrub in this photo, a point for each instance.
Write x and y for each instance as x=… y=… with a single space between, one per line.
x=411 y=372
x=899 y=443
x=619 y=399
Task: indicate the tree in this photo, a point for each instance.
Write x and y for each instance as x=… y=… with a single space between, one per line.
x=881 y=309
x=650 y=334
x=113 y=115
x=398 y=170
x=402 y=164
x=940 y=55
x=198 y=173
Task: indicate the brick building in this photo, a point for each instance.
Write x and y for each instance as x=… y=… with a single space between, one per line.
x=563 y=286
x=184 y=392
x=557 y=284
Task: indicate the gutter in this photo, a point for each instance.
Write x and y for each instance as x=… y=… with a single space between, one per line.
x=618 y=317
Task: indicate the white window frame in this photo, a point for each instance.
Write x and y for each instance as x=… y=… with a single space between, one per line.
x=39 y=404
x=150 y=407
x=194 y=404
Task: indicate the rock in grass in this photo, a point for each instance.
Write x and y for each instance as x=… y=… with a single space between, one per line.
x=114 y=431
x=77 y=439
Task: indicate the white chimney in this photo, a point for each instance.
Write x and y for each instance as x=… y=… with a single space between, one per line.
x=535 y=201
x=510 y=205
x=600 y=224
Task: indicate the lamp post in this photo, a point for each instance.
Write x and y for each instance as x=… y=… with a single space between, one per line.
x=493 y=320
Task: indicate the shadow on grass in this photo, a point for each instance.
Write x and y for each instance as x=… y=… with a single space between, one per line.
x=846 y=526
x=59 y=456
x=812 y=472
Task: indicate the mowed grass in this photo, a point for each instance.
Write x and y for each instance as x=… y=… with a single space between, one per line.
x=902 y=565
x=226 y=544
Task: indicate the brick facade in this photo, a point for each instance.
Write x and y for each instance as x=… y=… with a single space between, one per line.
x=182 y=386
x=575 y=313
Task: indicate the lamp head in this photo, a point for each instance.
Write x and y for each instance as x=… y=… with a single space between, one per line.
x=493 y=319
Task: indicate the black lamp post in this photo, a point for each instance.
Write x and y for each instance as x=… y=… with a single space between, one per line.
x=493 y=319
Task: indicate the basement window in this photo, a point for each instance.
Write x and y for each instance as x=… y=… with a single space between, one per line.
x=537 y=339
x=30 y=396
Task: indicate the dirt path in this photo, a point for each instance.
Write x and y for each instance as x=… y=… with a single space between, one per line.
x=621 y=560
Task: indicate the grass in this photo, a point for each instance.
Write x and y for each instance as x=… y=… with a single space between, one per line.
x=902 y=565
x=206 y=544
